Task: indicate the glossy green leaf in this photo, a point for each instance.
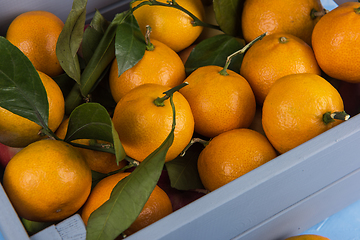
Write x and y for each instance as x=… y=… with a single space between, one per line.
x=129 y=195
x=21 y=89
x=129 y=44
x=92 y=121
x=228 y=15
x=93 y=34
x=102 y=57
x=183 y=171
x=70 y=39
x=214 y=51
x=65 y=83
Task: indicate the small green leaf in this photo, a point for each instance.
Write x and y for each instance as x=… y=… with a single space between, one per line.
x=34 y=227
x=65 y=83
x=183 y=172
x=93 y=34
x=92 y=121
x=102 y=57
x=214 y=51
x=228 y=15
x=70 y=39
x=130 y=194
x=21 y=89
x=129 y=44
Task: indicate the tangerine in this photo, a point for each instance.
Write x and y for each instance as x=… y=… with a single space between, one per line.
x=298 y=108
x=36 y=33
x=17 y=131
x=275 y=56
x=48 y=180
x=219 y=102
x=161 y=65
x=336 y=42
x=170 y=26
x=232 y=154
x=143 y=125
x=295 y=17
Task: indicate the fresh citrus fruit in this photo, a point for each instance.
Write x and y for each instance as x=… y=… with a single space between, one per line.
x=16 y=131
x=161 y=65
x=336 y=42
x=307 y=237
x=157 y=206
x=98 y=161
x=36 y=33
x=294 y=17
x=48 y=180
x=171 y=26
x=143 y=126
x=231 y=155
x=296 y=110
x=275 y=56
x=219 y=102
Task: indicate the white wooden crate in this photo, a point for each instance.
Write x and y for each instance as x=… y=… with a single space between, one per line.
x=281 y=198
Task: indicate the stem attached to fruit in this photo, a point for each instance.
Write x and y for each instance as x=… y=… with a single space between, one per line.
x=160 y=100
x=196 y=21
x=149 y=45
x=194 y=140
x=314 y=13
x=241 y=51
x=329 y=117
x=357 y=10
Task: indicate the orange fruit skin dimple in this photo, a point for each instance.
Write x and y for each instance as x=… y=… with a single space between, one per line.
x=161 y=65
x=275 y=56
x=142 y=126
x=219 y=103
x=294 y=108
x=336 y=42
x=157 y=206
x=36 y=33
x=171 y=26
x=232 y=154
x=48 y=180
x=288 y=16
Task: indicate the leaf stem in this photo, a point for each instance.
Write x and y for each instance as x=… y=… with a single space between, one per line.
x=329 y=117
x=160 y=100
x=192 y=141
x=241 y=51
x=149 y=45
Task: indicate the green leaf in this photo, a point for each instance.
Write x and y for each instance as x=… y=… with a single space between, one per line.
x=93 y=34
x=214 y=51
x=65 y=83
x=128 y=197
x=70 y=39
x=92 y=121
x=183 y=172
x=228 y=15
x=34 y=227
x=130 y=194
x=21 y=89
x=129 y=44
x=102 y=57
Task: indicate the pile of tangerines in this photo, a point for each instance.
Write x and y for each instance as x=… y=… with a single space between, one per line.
x=100 y=114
